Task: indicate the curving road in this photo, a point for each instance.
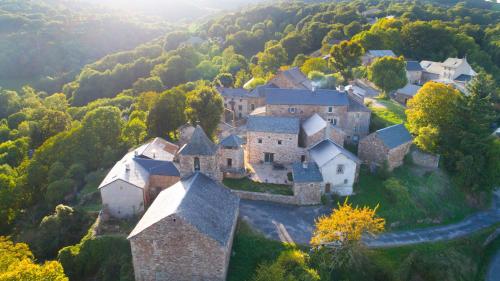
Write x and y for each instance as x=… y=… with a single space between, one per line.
x=295 y=224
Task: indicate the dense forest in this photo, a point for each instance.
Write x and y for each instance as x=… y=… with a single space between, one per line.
x=98 y=84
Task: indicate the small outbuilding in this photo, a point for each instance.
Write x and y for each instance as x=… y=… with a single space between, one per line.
x=187 y=233
x=406 y=93
x=307 y=180
x=389 y=145
x=232 y=156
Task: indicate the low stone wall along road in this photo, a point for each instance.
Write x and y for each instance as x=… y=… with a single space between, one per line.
x=295 y=224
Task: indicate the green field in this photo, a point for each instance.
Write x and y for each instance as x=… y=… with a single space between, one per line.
x=246 y=184
x=389 y=113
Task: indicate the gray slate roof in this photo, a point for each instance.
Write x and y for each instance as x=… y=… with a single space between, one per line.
x=275 y=96
x=394 y=136
x=355 y=106
x=409 y=90
x=199 y=144
x=412 y=65
x=283 y=125
x=326 y=150
x=199 y=201
x=297 y=77
x=381 y=53
x=464 y=78
x=231 y=141
x=309 y=174
x=236 y=92
x=158 y=167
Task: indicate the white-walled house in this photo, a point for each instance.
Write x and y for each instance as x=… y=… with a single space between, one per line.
x=339 y=167
x=135 y=181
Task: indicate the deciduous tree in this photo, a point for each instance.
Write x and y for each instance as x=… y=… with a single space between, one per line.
x=345 y=56
x=388 y=74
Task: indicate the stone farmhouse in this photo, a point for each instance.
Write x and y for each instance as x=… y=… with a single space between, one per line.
x=406 y=93
x=240 y=102
x=388 y=145
x=345 y=111
x=291 y=78
x=371 y=55
x=454 y=71
x=135 y=181
x=232 y=156
x=414 y=72
x=187 y=233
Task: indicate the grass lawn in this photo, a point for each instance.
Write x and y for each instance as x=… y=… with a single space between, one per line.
x=247 y=184
x=432 y=199
x=393 y=113
x=250 y=249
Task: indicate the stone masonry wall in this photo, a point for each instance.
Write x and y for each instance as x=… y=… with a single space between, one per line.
x=304 y=111
x=209 y=165
x=259 y=196
x=237 y=156
x=357 y=124
x=425 y=160
x=156 y=184
x=173 y=250
x=286 y=153
x=396 y=156
x=372 y=150
x=307 y=193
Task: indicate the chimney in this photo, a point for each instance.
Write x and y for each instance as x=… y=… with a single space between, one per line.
x=127 y=168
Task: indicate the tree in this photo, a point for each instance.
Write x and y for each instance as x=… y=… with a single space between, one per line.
x=272 y=58
x=56 y=102
x=294 y=43
x=340 y=233
x=352 y=29
x=290 y=265
x=345 y=56
x=314 y=64
x=9 y=199
x=436 y=106
x=388 y=73
x=204 y=105
x=17 y=263
x=54 y=122
x=224 y=80
x=134 y=132
x=167 y=114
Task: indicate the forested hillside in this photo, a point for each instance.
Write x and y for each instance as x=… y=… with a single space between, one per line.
x=102 y=84
x=46 y=42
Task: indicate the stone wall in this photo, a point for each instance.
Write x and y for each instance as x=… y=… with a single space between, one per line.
x=193 y=256
x=286 y=153
x=396 y=155
x=402 y=98
x=357 y=125
x=305 y=111
x=235 y=154
x=424 y=159
x=414 y=77
x=156 y=184
x=307 y=193
x=259 y=196
x=209 y=165
x=372 y=150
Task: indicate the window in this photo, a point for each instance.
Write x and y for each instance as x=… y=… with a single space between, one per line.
x=252 y=106
x=292 y=110
x=229 y=162
x=240 y=107
x=340 y=169
x=196 y=164
x=259 y=140
x=346 y=181
x=279 y=142
x=334 y=121
x=330 y=109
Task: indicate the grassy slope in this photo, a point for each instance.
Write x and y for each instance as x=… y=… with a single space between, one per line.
x=432 y=198
x=388 y=114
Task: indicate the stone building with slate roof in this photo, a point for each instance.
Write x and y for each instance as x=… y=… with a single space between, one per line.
x=414 y=72
x=453 y=71
x=273 y=140
x=232 y=156
x=339 y=108
x=406 y=93
x=315 y=129
x=187 y=233
x=240 y=101
x=307 y=180
x=338 y=167
x=200 y=154
x=389 y=145
x=291 y=78
x=135 y=181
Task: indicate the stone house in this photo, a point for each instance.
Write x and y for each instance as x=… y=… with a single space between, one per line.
x=135 y=181
x=187 y=233
x=307 y=181
x=406 y=93
x=339 y=108
x=232 y=156
x=291 y=78
x=389 y=145
x=315 y=129
x=454 y=71
x=372 y=55
x=339 y=167
x=240 y=101
x=273 y=139
x=414 y=72
x=200 y=154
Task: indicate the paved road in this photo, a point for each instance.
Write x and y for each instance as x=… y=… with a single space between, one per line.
x=295 y=224
x=494 y=269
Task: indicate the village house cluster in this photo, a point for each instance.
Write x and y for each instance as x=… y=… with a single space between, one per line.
x=289 y=128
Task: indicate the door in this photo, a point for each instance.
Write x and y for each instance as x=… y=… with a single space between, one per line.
x=328 y=188
x=268 y=157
